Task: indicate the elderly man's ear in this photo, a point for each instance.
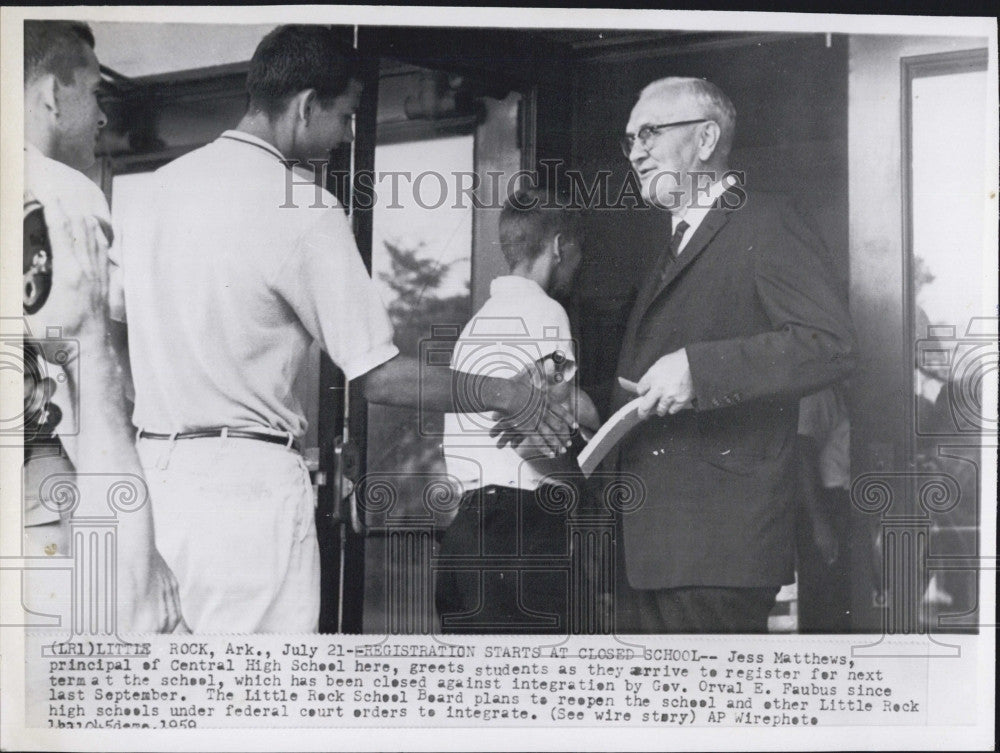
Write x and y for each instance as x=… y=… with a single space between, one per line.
x=709 y=140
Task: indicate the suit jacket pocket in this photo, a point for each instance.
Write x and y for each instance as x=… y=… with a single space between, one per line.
x=731 y=461
x=730 y=442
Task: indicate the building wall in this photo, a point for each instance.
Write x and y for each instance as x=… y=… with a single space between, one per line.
x=876 y=233
x=882 y=390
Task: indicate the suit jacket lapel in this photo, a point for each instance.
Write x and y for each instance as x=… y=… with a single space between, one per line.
x=712 y=223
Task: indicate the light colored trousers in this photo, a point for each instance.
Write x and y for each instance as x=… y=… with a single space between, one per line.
x=235 y=521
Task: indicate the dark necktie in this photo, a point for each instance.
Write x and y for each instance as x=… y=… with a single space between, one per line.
x=675 y=244
x=677 y=237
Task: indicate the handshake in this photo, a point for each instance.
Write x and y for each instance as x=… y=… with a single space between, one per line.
x=552 y=413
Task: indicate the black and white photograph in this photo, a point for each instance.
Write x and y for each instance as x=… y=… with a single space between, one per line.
x=558 y=380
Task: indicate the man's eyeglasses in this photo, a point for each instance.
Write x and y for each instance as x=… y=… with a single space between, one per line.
x=648 y=131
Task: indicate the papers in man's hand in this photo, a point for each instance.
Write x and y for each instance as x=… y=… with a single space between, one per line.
x=610 y=433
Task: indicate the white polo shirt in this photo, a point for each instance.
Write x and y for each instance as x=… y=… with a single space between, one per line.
x=227 y=282
x=50 y=181
x=55 y=185
x=517 y=326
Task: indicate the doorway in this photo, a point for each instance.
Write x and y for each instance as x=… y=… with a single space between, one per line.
x=917 y=125
x=432 y=223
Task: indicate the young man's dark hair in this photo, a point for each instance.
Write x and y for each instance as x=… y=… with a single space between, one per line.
x=56 y=47
x=529 y=220
x=293 y=58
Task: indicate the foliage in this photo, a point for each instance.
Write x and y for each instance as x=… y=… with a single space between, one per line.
x=396 y=442
x=416 y=307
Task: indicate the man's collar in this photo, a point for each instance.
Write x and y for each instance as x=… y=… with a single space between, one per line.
x=704 y=202
x=515 y=284
x=248 y=138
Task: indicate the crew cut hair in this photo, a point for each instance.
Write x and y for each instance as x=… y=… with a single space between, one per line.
x=296 y=57
x=529 y=220
x=55 y=47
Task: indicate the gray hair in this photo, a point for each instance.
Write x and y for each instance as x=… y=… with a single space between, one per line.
x=714 y=103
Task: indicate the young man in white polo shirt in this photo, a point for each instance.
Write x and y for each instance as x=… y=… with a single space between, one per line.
x=226 y=284
x=513 y=512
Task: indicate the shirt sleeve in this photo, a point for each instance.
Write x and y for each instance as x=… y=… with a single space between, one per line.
x=51 y=182
x=326 y=284
x=512 y=331
x=552 y=332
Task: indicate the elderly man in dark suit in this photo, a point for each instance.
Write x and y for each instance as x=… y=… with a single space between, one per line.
x=738 y=319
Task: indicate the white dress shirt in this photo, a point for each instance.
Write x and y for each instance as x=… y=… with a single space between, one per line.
x=695 y=214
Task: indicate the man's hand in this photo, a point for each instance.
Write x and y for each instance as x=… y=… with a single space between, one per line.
x=535 y=413
x=78 y=301
x=147 y=593
x=522 y=404
x=585 y=410
x=666 y=387
x=826 y=540
x=581 y=406
x=148 y=598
